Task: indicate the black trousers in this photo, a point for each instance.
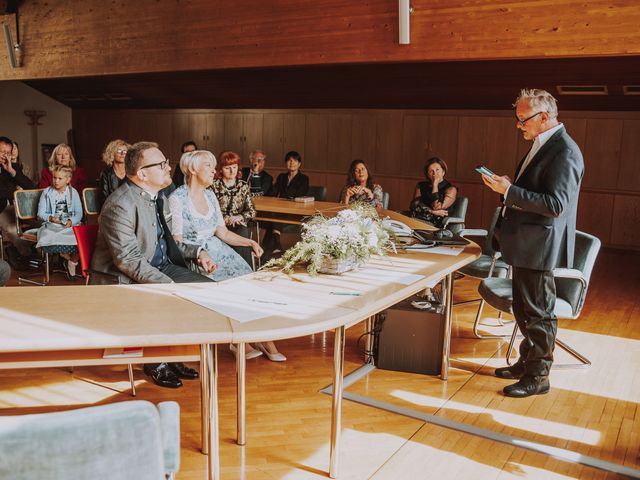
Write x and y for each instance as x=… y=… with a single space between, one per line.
x=182 y=275
x=534 y=299
x=244 y=252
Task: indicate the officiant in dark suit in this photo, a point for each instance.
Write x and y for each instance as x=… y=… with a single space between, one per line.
x=536 y=234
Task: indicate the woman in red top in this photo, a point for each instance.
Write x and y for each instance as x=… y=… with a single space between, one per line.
x=62 y=155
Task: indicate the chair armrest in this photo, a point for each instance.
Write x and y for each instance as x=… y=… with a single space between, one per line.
x=170 y=428
x=569 y=273
x=473 y=232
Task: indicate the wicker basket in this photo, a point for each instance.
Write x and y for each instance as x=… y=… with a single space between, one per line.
x=336 y=266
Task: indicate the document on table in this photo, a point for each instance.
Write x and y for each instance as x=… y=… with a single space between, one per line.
x=244 y=301
x=385 y=276
x=441 y=250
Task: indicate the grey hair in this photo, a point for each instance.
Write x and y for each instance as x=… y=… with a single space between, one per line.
x=253 y=154
x=539 y=100
x=193 y=159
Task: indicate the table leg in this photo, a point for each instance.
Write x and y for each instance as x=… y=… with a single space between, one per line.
x=204 y=400
x=241 y=366
x=369 y=325
x=447 y=298
x=336 y=407
x=211 y=370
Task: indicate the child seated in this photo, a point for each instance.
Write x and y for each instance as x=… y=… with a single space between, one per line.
x=60 y=209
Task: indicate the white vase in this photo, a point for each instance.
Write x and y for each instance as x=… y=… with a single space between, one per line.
x=337 y=266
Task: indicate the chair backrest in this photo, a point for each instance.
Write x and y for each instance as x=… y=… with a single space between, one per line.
x=319 y=192
x=458 y=210
x=573 y=291
x=26 y=206
x=385 y=200
x=119 y=440
x=487 y=248
x=91 y=201
x=86 y=237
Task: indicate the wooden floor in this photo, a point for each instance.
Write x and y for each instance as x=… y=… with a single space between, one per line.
x=592 y=412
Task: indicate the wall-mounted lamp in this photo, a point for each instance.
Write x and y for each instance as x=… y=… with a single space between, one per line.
x=404 y=11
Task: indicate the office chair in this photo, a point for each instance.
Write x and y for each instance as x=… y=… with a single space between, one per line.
x=489 y=264
x=385 y=200
x=91 y=201
x=571 y=290
x=457 y=214
x=121 y=440
x=319 y=192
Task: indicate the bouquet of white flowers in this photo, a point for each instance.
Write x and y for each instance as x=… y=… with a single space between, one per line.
x=338 y=244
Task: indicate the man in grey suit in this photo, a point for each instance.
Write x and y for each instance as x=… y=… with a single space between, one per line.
x=135 y=242
x=537 y=234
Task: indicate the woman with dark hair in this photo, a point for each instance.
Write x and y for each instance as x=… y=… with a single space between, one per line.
x=178 y=176
x=293 y=183
x=435 y=195
x=234 y=196
x=360 y=186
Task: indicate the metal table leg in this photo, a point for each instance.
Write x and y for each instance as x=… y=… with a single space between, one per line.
x=241 y=364
x=447 y=297
x=210 y=359
x=336 y=407
x=204 y=400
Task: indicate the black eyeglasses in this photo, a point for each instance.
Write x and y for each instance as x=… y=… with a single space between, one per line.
x=524 y=122
x=162 y=164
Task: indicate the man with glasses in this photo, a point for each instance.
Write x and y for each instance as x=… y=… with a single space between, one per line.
x=256 y=176
x=135 y=242
x=537 y=233
x=12 y=179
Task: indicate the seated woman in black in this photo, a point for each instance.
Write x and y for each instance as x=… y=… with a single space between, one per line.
x=435 y=195
x=293 y=183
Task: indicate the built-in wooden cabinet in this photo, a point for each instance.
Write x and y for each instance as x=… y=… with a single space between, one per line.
x=395 y=144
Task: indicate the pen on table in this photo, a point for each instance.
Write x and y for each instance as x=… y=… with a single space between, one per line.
x=353 y=294
x=266 y=301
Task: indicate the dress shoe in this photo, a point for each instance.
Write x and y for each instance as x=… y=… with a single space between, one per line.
x=162 y=375
x=528 y=385
x=248 y=354
x=274 y=357
x=514 y=372
x=182 y=371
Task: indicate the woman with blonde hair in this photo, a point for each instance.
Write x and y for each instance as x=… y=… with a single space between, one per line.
x=114 y=175
x=63 y=156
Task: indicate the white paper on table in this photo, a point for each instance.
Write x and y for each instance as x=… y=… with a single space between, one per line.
x=452 y=251
x=385 y=276
x=245 y=301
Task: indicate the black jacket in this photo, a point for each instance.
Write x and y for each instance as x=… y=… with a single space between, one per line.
x=299 y=186
x=9 y=184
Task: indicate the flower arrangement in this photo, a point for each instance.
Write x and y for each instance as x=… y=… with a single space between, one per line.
x=338 y=244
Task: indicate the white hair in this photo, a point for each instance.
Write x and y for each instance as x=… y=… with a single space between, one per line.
x=539 y=100
x=193 y=159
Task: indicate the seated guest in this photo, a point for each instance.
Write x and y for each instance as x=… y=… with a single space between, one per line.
x=5 y=273
x=114 y=175
x=198 y=220
x=360 y=186
x=135 y=241
x=234 y=197
x=11 y=179
x=293 y=183
x=62 y=155
x=256 y=176
x=178 y=176
x=435 y=195
x=59 y=209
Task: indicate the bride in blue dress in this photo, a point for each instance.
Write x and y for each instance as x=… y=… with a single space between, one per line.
x=197 y=219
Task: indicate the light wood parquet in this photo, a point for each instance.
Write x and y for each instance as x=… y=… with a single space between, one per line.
x=592 y=411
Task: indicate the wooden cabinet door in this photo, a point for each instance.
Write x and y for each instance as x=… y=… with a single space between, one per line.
x=273 y=137
x=315 y=141
x=214 y=134
x=233 y=132
x=252 y=135
x=363 y=139
x=294 y=133
x=415 y=144
x=339 y=142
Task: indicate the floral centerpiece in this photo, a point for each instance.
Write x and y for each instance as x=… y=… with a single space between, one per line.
x=338 y=244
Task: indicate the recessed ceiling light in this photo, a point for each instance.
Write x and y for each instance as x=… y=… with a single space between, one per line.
x=582 y=90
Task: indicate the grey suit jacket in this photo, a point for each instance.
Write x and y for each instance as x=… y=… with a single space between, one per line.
x=127 y=237
x=539 y=226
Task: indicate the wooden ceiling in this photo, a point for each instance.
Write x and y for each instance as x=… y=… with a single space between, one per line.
x=423 y=85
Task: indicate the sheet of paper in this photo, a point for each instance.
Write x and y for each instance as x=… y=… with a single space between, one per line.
x=385 y=276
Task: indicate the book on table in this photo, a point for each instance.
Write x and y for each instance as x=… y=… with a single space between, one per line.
x=304 y=199
x=122 y=352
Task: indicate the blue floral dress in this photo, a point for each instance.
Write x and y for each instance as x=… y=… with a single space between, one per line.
x=198 y=229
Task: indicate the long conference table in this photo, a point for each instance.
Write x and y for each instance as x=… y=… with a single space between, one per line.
x=72 y=325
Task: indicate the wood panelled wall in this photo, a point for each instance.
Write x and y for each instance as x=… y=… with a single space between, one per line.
x=395 y=144
x=64 y=38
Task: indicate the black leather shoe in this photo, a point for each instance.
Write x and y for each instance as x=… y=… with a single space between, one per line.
x=527 y=386
x=182 y=371
x=514 y=372
x=162 y=375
